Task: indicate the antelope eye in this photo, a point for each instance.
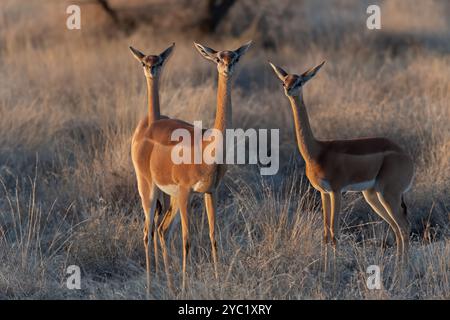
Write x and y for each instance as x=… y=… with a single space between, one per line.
x=217 y=60
x=143 y=64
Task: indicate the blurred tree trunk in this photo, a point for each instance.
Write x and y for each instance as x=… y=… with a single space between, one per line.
x=104 y=4
x=126 y=25
x=215 y=12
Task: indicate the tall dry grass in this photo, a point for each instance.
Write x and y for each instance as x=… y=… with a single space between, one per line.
x=69 y=101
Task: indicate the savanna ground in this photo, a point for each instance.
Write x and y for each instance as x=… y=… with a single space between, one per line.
x=70 y=100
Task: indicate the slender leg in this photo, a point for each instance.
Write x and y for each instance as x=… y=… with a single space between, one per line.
x=175 y=220
x=148 y=199
x=210 y=201
x=335 y=200
x=144 y=193
x=372 y=199
x=158 y=212
x=391 y=202
x=326 y=227
x=183 y=202
x=326 y=213
x=406 y=227
x=389 y=192
x=162 y=206
x=165 y=223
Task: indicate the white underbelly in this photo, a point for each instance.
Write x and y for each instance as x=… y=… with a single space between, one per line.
x=360 y=186
x=199 y=186
x=354 y=187
x=170 y=189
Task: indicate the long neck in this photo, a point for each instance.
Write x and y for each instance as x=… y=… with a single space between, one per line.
x=223 y=112
x=307 y=144
x=153 y=99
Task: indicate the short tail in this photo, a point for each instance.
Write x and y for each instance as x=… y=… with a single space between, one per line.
x=405 y=210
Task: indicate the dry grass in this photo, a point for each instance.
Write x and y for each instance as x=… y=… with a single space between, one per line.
x=69 y=101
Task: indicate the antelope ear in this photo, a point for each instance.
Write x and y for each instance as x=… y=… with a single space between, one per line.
x=243 y=49
x=137 y=54
x=281 y=74
x=206 y=52
x=311 y=72
x=166 y=53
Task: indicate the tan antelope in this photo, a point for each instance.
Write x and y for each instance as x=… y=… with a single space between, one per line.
x=140 y=146
x=376 y=166
x=180 y=181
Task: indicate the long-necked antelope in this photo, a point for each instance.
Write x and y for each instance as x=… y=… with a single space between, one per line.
x=141 y=147
x=180 y=181
x=376 y=166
